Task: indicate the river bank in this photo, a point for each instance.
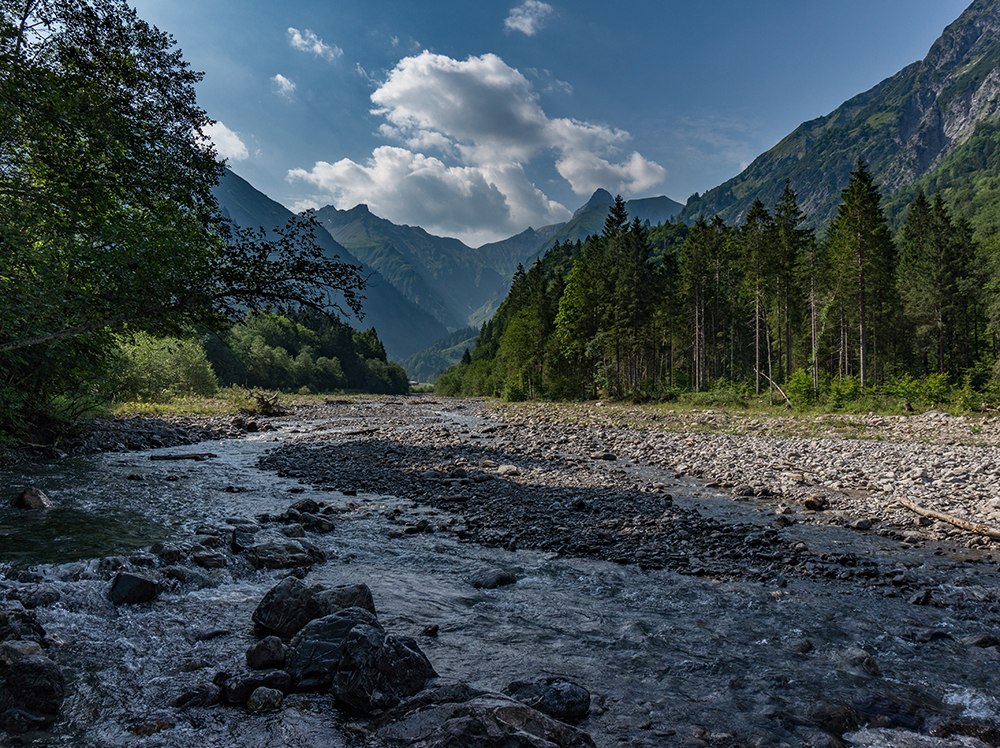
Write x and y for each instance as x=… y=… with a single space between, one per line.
x=710 y=588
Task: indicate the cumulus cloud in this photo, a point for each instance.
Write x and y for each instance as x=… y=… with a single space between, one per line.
x=227 y=143
x=529 y=17
x=284 y=86
x=307 y=41
x=483 y=122
x=475 y=204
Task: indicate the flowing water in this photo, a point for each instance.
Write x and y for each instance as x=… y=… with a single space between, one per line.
x=666 y=656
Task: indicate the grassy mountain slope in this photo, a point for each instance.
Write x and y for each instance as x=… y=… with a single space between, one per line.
x=403 y=327
x=905 y=127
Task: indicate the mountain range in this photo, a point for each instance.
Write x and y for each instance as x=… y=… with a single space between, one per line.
x=905 y=128
x=934 y=126
x=423 y=287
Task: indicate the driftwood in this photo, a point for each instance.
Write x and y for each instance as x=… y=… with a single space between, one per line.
x=976 y=527
x=199 y=456
x=359 y=432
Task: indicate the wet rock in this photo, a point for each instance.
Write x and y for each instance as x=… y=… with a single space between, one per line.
x=305 y=506
x=16 y=649
x=38 y=597
x=210 y=559
x=169 y=553
x=291 y=604
x=461 y=716
x=131 y=589
x=284 y=554
x=556 y=697
x=490 y=579
x=18 y=623
x=265 y=699
x=858 y=660
x=32 y=689
x=268 y=653
x=351 y=655
x=236 y=690
x=32 y=498
x=206 y=695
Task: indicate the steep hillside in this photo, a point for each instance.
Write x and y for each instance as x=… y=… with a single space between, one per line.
x=904 y=127
x=442 y=275
x=403 y=327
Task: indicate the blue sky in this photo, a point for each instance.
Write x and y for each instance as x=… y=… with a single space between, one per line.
x=477 y=120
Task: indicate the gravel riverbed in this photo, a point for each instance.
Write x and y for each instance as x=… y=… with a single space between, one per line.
x=794 y=511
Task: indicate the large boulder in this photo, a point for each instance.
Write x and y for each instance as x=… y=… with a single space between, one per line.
x=132 y=589
x=32 y=689
x=350 y=655
x=291 y=604
x=459 y=715
x=284 y=554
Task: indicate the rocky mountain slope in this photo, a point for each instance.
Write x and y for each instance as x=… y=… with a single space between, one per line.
x=904 y=127
x=403 y=327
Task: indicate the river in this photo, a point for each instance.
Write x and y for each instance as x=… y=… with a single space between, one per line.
x=670 y=658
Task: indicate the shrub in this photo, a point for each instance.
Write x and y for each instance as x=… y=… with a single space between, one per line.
x=156 y=369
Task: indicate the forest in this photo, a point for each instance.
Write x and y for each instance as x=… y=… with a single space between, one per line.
x=766 y=307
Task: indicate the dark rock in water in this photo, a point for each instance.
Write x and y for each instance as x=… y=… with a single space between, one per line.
x=210 y=559
x=32 y=498
x=236 y=690
x=169 y=553
x=38 y=597
x=130 y=589
x=265 y=700
x=350 y=654
x=284 y=554
x=18 y=623
x=240 y=540
x=201 y=696
x=291 y=604
x=266 y=654
x=492 y=578
x=461 y=716
x=555 y=697
x=32 y=689
x=305 y=506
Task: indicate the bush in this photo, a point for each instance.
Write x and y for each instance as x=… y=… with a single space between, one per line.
x=156 y=369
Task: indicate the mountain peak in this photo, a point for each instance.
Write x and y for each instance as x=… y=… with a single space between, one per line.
x=600 y=197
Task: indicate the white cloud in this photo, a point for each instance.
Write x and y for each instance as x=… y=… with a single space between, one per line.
x=586 y=173
x=475 y=204
x=307 y=41
x=529 y=17
x=482 y=121
x=227 y=143
x=285 y=86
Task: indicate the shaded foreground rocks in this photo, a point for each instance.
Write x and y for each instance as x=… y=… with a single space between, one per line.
x=461 y=715
x=32 y=686
x=291 y=604
x=350 y=655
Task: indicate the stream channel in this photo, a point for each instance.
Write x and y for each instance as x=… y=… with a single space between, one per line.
x=669 y=658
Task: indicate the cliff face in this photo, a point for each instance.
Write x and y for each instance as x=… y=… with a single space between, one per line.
x=903 y=127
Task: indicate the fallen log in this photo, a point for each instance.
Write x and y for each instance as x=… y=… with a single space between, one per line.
x=199 y=456
x=976 y=527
